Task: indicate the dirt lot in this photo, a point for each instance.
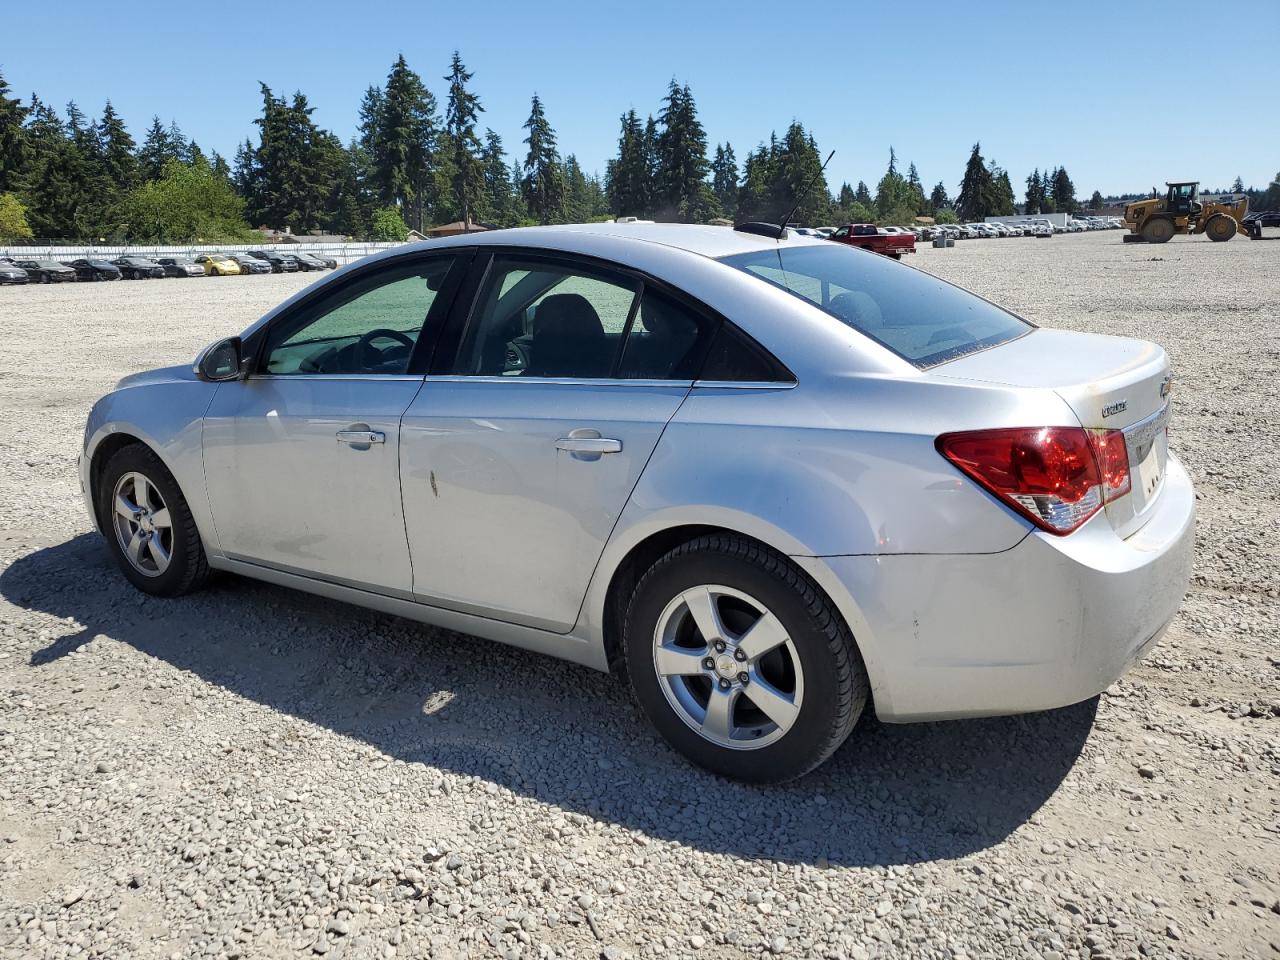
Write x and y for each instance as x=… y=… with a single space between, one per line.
x=253 y=772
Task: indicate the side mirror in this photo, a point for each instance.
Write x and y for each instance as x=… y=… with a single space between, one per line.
x=219 y=361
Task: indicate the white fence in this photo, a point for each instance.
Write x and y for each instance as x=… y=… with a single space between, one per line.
x=342 y=252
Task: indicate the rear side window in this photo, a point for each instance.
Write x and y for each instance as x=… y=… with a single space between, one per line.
x=736 y=357
x=920 y=318
x=561 y=320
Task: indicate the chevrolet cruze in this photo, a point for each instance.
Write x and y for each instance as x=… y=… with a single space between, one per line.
x=771 y=480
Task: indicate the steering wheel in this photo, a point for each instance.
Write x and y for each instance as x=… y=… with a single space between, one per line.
x=365 y=349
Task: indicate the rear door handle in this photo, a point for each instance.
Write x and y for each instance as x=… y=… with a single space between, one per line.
x=361 y=436
x=589 y=445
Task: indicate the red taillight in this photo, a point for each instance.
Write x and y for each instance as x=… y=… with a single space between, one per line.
x=1113 y=463
x=1057 y=477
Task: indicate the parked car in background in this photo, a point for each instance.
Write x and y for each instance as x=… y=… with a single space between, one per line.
x=250 y=264
x=138 y=268
x=47 y=271
x=1042 y=229
x=87 y=268
x=218 y=265
x=826 y=231
x=180 y=267
x=330 y=263
x=278 y=261
x=11 y=273
x=959 y=511
x=876 y=239
x=305 y=263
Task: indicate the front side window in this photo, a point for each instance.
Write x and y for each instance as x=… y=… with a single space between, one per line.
x=924 y=320
x=557 y=320
x=368 y=326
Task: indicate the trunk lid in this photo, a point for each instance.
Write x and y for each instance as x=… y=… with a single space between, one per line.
x=1110 y=383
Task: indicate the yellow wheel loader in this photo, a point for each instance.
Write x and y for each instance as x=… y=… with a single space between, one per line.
x=1159 y=219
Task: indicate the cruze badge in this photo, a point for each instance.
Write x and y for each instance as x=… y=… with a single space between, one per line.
x=1111 y=409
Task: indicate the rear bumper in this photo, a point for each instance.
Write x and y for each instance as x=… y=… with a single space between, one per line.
x=1047 y=623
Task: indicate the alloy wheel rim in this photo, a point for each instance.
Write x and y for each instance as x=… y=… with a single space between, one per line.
x=143 y=524
x=728 y=667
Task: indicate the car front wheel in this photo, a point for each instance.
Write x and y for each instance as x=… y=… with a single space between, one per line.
x=148 y=525
x=740 y=661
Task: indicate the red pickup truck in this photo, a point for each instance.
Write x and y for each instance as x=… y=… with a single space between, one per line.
x=869 y=237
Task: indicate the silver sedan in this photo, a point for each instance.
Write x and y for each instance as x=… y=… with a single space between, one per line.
x=775 y=479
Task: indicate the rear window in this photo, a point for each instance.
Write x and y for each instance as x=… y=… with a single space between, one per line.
x=920 y=318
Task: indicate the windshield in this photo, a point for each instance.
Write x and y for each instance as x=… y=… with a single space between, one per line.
x=920 y=318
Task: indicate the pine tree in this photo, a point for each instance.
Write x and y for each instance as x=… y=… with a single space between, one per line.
x=467 y=177
x=891 y=194
x=1237 y=187
x=498 y=208
x=681 y=153
x=628 y=175
x=194 y=156
x=846 y=197
x=116 y=151
x=62 y=202
x=975 y=188
x=245 y=173
x=178 y=142
x=1034 y=198
x=798 y=176
x=1096 y=202
x=218 y=164
x=1002 y=199
x=938 y=199
x=1064 y=192
x=399 y=131
x=13 y=139
x=724 y=179
x=579 y=196
x=296 y=165
x=156 y=150
x=80 y=130
x=543 y=186
x=756 y=200
x=649 y=151
x=862 y=194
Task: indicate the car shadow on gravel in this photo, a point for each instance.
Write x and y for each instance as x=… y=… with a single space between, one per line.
x=557 y=733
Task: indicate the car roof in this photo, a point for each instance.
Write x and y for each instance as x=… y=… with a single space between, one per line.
x=706 y=241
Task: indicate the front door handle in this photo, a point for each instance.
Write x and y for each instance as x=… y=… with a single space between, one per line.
x=590 y=445
x=361 y=436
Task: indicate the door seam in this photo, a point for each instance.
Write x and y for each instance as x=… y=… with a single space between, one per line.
x=625 y=503
x=404 y=521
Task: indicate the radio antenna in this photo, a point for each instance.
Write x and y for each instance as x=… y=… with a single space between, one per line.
x=804 y=192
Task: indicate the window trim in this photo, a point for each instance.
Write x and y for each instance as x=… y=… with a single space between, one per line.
x=432 y=323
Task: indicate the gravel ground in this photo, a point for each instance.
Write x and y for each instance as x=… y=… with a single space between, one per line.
x=254 y=772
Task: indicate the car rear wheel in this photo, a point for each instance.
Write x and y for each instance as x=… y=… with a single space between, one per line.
x=740 y=661
x=148 y=524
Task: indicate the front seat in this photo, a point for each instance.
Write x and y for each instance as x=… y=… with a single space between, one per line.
x=568 y=339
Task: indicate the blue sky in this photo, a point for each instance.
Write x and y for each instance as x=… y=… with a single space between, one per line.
x=929 y=78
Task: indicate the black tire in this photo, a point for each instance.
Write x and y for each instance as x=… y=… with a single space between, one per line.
x=1158 y=230
x=188 y=568
x=1220 y=228
x=836 y=687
